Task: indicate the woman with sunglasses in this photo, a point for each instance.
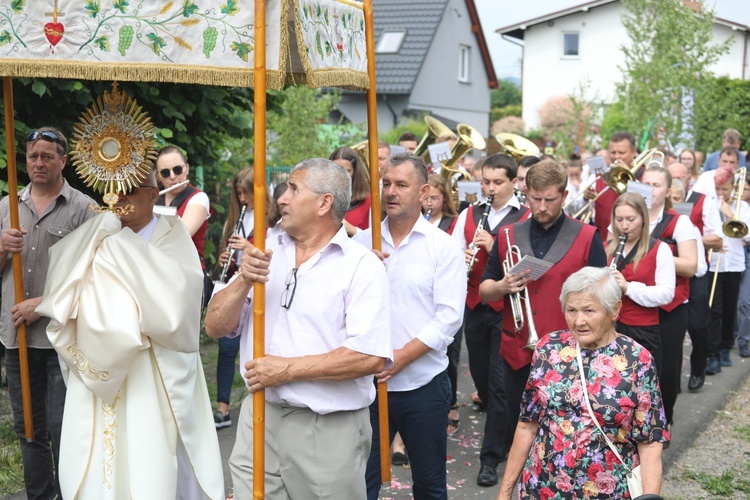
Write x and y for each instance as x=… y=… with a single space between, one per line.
x=191 y=203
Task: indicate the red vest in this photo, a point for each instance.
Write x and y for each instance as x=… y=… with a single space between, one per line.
x=359 y=216
x=199 y=238
x=544 y=293
x=603 y=207
x=682 y=284
x=696 y=214
x=634 y=314
x=470 y=228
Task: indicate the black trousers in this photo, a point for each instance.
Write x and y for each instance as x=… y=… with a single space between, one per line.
x=672 y=326
x=515 y=383
x=699 y=318
x=648 y=336
x=482 y=328
x=724 y=312
x=454 y=357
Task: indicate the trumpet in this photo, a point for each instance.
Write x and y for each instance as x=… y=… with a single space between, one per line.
x=512 y=257
x=473 y=247
x=619 y=176
x=734 y=227
x=237 y=229
x=618 y=252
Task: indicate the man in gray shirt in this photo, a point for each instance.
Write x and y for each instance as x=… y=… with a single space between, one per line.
x=48 y=210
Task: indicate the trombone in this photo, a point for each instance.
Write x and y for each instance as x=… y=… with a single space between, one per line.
x=619 y=176
x=734 y=227
x=512 y=257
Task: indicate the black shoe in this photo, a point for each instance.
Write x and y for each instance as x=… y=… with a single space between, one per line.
x=745 y=351
x=221 y=420
x=696 y=382
x=725 y=359
x=487 y=476
x=714 y=366
x=399 y=458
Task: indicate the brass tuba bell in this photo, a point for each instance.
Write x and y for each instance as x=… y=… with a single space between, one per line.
x=517 y=146
x=435 y=130
x=468 y=138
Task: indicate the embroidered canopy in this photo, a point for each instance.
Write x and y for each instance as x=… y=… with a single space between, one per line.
x=317 y=42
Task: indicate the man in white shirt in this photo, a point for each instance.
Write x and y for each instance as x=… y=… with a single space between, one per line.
x=728 y=157
x=427 y=278
x=327 y=322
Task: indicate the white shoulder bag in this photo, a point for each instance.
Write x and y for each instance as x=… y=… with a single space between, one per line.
x=635 y=483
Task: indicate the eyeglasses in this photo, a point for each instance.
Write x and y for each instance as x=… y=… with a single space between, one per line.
x=287 y=296
x=45 y=135
x=177 y=169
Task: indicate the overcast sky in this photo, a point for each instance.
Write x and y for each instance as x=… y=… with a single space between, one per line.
x=506 y=56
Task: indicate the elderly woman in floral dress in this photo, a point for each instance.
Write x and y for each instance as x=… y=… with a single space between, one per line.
x=564 y=454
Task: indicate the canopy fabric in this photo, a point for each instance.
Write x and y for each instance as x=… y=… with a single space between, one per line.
x=313 y=42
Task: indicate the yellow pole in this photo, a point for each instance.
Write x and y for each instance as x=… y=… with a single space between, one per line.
x=372 y=136
x=23 y=353
x=259 y=206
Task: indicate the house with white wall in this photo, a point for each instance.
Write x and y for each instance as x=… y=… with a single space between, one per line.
x=567 y=47
x=431 y=57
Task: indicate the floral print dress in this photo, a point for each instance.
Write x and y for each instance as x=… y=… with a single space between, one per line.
x=569 y=459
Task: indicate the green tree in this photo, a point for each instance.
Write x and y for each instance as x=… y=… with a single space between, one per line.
x=721 y=104
x=507 y=93
x=666 y=63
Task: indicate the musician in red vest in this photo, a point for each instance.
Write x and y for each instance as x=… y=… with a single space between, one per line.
x=644 y=270
x=704 y=215
x=621 y=149
x=678 y=232
x=549 y=235
x=483 y=320
x=191 y=203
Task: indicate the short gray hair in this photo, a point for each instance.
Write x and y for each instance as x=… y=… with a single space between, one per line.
x=326 y=177
x=595 y=281
x=420 y=169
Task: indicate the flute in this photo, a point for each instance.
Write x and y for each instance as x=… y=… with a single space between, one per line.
x=228 y=263
x=618 y=252
x=165 y=191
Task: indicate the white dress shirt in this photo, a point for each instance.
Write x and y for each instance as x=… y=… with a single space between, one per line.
x=493 y=219
x=340 y=300
x=706 y=185
x=662 y=292
x=427 y=278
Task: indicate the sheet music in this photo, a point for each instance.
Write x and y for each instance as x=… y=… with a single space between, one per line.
x=597 y=165
x=537 y=266
x=642 y=189
x=683 y=208
x=439 y=152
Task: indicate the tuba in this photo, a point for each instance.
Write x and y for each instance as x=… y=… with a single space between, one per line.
x=468 y=138
x=435 y=130
x=363 y=150
x=512 y=257
x=517 y=146
x=734 y=227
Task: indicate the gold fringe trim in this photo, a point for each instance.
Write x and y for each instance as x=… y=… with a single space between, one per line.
x=174 y=73
x=352 y=3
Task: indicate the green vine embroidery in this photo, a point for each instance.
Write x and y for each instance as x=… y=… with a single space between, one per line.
x=339 y=36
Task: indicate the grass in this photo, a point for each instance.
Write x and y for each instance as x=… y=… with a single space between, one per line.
x=723 y=485
x=11 y=468
x=209 y=356
x=743 y=432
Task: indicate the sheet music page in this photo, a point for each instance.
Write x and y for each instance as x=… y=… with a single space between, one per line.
x=642 y=189
x=537 y=266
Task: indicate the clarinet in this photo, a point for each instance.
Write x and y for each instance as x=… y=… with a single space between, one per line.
x=474 y=248
x=618 y=252
x=228 y=263
x=427 y=215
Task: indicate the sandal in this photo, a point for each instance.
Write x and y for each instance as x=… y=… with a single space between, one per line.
x=478 y=403
x=453 y=422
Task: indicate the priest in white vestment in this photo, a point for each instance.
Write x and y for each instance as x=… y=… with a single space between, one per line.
x=124 y=298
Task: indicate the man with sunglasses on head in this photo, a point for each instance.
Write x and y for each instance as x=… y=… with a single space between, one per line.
x=191 y=203
x=48 y=210
x=327 y=333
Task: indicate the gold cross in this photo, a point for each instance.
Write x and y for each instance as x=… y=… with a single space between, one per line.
x=55 y=13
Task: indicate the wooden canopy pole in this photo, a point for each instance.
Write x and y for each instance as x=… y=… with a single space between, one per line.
x=259 y=206
x=23 y=352
x=372 y=138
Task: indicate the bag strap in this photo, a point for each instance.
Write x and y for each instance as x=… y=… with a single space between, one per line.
x=591 y=411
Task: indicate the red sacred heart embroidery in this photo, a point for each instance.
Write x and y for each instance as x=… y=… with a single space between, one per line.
x=54 y=32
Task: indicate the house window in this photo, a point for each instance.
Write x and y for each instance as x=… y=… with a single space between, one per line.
x=390 y=42
x=570 y=44
x=464 y=56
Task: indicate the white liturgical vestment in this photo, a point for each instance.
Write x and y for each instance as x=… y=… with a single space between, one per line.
x=125 y=318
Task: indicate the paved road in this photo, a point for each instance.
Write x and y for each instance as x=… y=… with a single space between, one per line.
x=693 y=412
